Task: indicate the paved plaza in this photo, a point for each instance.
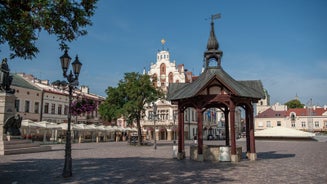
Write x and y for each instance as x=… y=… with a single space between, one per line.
x=118 y=162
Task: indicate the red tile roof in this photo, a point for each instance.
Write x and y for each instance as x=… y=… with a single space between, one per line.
x=270 y=113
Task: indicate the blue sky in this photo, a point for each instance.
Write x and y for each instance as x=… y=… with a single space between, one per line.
x=283 y=43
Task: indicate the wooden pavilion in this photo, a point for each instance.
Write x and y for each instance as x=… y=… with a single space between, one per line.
x=214 y=88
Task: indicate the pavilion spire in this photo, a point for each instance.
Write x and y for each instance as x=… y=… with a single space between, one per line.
x=212 y=57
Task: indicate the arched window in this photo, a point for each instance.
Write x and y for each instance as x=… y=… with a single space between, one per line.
x=212 y=62
x=154 y=80
x=162 y=69
x=293 y=116
x=171 y=77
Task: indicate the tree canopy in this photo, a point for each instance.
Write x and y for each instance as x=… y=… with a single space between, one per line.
x=22 y=20
x=129 y=98
x=292 y=104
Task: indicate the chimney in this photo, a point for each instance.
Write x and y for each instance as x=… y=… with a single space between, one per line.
x=325 y=107
x=85 y=89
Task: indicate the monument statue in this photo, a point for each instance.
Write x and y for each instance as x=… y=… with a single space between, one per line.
x=5 y=78
x=12 y=125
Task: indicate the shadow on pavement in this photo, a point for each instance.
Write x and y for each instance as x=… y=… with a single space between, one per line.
x=115 y=170
x=273 y=155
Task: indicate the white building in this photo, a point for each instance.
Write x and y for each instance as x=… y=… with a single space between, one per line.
x=313 y=119
x=51 y=102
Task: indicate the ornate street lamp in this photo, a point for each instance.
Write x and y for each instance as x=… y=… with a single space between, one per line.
x=154 y=123
x=72 y=82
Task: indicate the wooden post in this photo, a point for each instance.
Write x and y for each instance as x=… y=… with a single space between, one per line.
x=200 y=131
x=226 y=112
x=232 y=130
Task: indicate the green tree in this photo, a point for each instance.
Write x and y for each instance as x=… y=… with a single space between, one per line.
x=129 y=98
x=21 y=21
x=292 y=104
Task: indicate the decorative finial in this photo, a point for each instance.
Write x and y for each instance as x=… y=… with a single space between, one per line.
x=163 y=41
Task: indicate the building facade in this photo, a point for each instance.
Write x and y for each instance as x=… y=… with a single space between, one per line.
x=309 y=118
x=38 y=100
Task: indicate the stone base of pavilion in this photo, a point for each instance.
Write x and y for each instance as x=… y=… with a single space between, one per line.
x=218 y=153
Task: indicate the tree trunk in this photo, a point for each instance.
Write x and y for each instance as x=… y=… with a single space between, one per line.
x=139 y=132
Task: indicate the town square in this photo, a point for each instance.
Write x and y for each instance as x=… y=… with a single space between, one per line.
x=117 y=162
x=228 y=93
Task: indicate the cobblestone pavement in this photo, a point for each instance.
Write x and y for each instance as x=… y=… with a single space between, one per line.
x=118 y=162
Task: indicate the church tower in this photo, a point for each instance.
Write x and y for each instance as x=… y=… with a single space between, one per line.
x=163 y=71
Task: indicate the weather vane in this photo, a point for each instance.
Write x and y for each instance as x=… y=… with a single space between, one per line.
x=215 y=16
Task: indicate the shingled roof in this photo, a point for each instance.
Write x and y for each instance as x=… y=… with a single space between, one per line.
x=20 y=82
x=250 y=88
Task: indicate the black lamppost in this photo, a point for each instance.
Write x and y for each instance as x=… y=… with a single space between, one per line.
x=154 y=123
x=72 y=82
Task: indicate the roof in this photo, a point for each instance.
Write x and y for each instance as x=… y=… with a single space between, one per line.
x=250 y=89
x=270 y=113
x=317 y=111
x=19 y=81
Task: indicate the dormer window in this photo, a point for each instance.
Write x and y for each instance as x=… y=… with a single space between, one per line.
x=293 y=116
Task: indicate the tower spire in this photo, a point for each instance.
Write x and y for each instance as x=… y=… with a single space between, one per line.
x=212 y=41
x=212 y=56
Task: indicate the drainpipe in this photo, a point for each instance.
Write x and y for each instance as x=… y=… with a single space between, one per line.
x=41 y=109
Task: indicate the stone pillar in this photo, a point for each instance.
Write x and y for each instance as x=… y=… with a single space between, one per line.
x=157 y=134
x=7 y=110
x=169 y=134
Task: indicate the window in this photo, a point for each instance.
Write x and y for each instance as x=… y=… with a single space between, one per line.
x=293 y=124
x=193 y=115
x=317 y=124
x=279 y=123
x=53 y=108
x=27 y=106
x=59 y=109
x=36 y=107
x=46 y=108
x=268 y=124
x=150 y=115
x=17 y=105
x=260 y=124
x=303 y=124
x=171 y=77
x=66 y=109
x=293 y=117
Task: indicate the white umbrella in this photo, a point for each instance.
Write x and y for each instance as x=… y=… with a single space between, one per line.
x=101 y=128
x=134 y=129
x=79 y=126
x=48 y=125
x=109 y=128
x=127 y=129
x=29 y=123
